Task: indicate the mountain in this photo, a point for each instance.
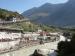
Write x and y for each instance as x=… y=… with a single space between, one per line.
x=44 y=10
x=53 y=14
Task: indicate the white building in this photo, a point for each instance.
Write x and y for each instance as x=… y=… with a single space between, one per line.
x=31 y=35
x=9 y=38
x=14 y=19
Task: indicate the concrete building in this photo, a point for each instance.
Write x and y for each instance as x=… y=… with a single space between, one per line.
x=31 y=35
x=9 y=38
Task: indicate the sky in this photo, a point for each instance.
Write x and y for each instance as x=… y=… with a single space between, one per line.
x=23 y=5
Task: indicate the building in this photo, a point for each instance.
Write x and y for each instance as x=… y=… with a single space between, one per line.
x=14 y=19
x=9 y=38
x=31 y=35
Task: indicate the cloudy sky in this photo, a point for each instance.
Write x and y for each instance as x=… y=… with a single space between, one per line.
x=23 y=5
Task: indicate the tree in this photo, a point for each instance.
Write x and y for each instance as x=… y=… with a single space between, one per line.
x=67 y=48
x=7 y=15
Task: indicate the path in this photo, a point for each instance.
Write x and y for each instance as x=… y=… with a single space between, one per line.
x=30 y=50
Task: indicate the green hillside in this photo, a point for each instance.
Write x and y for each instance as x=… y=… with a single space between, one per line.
x=31 y=27
x=7 y=15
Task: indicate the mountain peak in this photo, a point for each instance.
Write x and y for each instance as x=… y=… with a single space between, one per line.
x=71 y=1
x=54 y=14
x=47 y=4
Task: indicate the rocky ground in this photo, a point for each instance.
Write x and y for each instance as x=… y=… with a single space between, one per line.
x=28 y=51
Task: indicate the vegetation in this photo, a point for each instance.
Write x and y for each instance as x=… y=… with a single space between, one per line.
x=67 y=48
x=48 y=28
x=7 y=15
x=31 y=27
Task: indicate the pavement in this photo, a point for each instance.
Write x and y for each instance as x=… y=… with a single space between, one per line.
x=26 y=51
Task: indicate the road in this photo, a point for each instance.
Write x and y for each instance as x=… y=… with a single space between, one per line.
x=27 y=51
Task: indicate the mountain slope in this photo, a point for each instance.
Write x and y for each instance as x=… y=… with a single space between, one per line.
x=54 y=14
x=42 y=11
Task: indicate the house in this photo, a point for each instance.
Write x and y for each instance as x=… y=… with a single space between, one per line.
x=14 y=19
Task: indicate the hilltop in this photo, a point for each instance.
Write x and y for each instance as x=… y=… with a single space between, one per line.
x=6 y=15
